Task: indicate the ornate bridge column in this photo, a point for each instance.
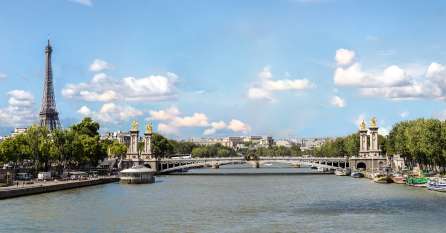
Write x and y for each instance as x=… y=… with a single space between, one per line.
x=147 y=150
x=363 y=146
x=373 y=150
x=132 y=152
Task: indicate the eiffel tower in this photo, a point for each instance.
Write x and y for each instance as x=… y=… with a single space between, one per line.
x=49 y=117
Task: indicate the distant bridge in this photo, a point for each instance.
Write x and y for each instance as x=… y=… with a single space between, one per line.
x=168 y=165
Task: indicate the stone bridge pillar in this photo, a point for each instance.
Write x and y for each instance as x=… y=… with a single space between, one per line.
x=363 y=145
x=154 y=164
x=147 y=150
x=132 y=151
x=373 y=129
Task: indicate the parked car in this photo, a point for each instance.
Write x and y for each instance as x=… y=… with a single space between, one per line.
x=44 y=176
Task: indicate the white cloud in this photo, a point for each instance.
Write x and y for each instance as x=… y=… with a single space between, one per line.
x=151 y=88
x=214 y=127
x=111 y=113
x=20 y=98
x=238 y=126
x=3 y=76
x=106 y=96
x=259 y=93
x=102 y=88
x=171 y=121
x=393 y=82
x=99 y=65
x=404 y=114
x=265 y=73
x=20 y=110
x=84 y=2
x=337 y=102
x=163 y=115
x=344 y=56
x=196 y=120
x=434 y=69
x=415 y=90
x=265 y=87
x=354 y=76
x=167 y=129
x=84 y=110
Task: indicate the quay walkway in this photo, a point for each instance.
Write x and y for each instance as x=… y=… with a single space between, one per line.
x=50 y=186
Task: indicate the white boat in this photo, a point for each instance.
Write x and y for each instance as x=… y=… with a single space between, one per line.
x=437 y=184
x=268 y=164
x=357 y=175
x=340 y=172
x=137 y=175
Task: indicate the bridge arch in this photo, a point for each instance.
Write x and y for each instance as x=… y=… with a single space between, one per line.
x=361 y=165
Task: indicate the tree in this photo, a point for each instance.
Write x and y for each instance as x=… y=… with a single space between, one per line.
x=87 y=127
x=117 y=149
x=161 y=146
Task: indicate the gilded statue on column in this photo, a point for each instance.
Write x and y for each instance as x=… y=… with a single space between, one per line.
x=373 y=123
x=134 y=125
x=362 y=126
x=149 y=128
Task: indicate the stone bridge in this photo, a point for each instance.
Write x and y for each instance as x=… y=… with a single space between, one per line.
x=167 y=165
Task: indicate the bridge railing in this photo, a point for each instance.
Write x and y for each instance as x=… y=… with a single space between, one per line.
x=260 y=158
x=204 y=159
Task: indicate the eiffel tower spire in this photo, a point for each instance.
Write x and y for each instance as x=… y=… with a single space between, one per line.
x=49 y=117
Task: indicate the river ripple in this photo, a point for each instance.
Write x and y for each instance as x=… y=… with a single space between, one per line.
x=306 y=203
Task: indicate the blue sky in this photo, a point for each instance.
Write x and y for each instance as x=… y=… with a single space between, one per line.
x=215 y=68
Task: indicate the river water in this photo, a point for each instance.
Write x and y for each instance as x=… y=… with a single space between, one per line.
x=268 y=203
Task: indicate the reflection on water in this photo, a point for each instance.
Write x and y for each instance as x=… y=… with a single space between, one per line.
x=246 y=168
x=310 y=203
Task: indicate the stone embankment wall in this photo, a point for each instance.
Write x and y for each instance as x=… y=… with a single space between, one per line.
x=54 y=187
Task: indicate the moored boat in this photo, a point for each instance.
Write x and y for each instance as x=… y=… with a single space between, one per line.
x=357 y=175
x=341 y=172
x=417 y=181
x=437 y=187
x=437 y=184
x=398 y=179
x=382 y=179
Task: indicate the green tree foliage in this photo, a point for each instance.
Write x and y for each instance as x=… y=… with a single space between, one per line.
x=421 y=141
x=216 y=150
x=78 y=145
x=181 y=147
x=276 y=151
x=87 y=127
x=117 y=149
x=161 y=146
x=344 y=146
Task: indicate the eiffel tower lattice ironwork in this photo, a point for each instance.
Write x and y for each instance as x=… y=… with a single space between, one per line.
x=49 y=117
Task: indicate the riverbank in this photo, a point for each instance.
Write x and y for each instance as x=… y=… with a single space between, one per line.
x=50 y=186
